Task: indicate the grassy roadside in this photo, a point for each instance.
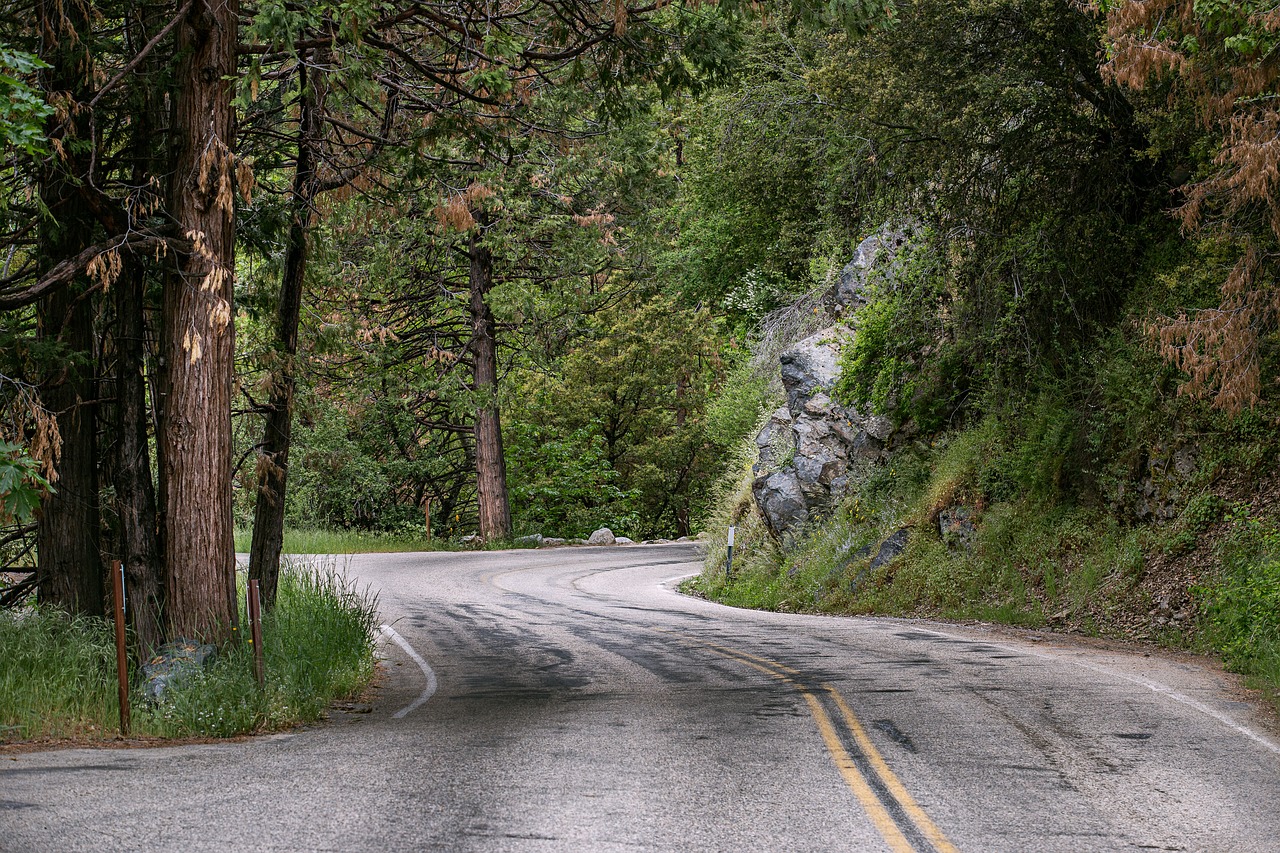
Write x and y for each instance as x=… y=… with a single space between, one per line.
x=1205 y=579
x=58 y=680
x=316 y=541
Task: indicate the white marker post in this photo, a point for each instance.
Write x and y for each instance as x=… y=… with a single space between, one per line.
x=728 y=562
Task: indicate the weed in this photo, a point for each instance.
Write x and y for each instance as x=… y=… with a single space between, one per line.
x=1240 y=609
x=57 y=673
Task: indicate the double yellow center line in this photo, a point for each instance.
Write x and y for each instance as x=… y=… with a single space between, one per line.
x=893 y=811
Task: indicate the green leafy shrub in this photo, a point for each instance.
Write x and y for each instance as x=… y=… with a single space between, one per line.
x=21 y=484
x=1241 y=608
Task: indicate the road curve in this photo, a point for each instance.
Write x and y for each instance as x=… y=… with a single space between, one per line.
x=570 y=699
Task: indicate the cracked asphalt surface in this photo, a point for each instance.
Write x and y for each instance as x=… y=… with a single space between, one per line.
x=581 y=704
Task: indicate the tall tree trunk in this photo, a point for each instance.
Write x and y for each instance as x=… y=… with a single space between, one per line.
x=70 y=565
x=136 y=511
x=491 y=466
x=67 y=536
x=135 y=495
x=199 y=548
x=277 y=435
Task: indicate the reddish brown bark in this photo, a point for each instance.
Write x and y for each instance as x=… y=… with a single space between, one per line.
x=199 y=550
x=491 y=466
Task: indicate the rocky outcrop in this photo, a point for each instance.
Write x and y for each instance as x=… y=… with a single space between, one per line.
x=808 y=447
x=880 y=255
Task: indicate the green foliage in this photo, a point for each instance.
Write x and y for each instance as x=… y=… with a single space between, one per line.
x=1240 y=608
x=620 y=429
x=21 y=484
x=22 y=110
x=564 y=486
x=769 y=182
x=57 y=676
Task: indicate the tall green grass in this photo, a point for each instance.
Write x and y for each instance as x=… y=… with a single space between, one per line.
x=315 y=541
x=58 y=680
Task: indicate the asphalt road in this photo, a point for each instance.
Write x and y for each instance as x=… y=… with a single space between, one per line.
x=569 y=699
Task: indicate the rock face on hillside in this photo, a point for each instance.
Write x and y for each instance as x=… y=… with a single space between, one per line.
x=880 y=253
x=807 y=448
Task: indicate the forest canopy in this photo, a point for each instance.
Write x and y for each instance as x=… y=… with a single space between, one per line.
x=505 y=268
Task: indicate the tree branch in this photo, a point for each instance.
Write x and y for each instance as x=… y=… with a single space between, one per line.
x=63 y=272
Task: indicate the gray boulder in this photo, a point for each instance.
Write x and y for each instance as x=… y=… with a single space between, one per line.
x=807 y=447
x=534 y=540
x=781 y=501
x=603 y=536
x=622 y=540
x=811 y=367
x=890 y=548
x=551 y=541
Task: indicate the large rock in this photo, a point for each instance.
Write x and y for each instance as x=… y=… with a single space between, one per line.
x=808 y=447
x=890 y=548
x=781 y=500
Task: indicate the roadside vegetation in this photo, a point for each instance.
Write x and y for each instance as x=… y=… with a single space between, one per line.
x=503 y=275
x=58 y=672
x=1077 y=347
x=1206 y=579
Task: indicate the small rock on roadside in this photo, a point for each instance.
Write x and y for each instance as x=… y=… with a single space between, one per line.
x=622 y=540
x=603 y=536
x=534 y=539
x=551 y=541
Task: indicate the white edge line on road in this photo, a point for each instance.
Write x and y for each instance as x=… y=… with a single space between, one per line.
x=1153 y=686
x=422 y=664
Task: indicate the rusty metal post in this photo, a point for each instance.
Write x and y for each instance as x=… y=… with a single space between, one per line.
x=122 y=651
x=255 y=631
x=427 y=513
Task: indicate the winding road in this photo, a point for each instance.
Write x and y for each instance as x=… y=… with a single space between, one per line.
x=570 y=700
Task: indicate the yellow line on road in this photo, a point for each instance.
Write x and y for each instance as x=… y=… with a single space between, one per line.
x=890 y=780
x=880 y=817
x=853 y=777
